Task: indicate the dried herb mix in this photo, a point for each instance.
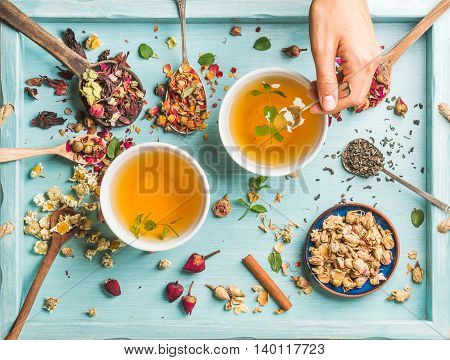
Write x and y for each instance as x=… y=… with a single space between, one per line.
x=362 y=158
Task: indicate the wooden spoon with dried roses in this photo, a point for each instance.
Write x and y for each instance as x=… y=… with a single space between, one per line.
x=95 y=155
x=196 y=88
x=74 y=62
x=56 y=244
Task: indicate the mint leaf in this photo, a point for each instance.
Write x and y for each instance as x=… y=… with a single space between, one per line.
x=266 y=86
x=113 y=148
x=206 y=59
x=256 y=93
x=262 y=130
x=138 y=219
x=260 y=209
x=262 y=44
x=275 y=261
x=279 y=92
x=277 y=136
x=270 y=112
x=164 y=232
x=417 y=217
x=146 y=52
x=149 y=225
x=243 y=202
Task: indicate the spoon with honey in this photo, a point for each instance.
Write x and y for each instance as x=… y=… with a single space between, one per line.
x=186 y=89
x=84 y=149
x=360 y=157
x=78 y=65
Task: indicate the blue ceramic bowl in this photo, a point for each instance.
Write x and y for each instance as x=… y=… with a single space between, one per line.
x=387 y=270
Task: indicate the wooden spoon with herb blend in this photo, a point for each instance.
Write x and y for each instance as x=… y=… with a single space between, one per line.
x=62 y=230
x=185 y=105
x=360 y=157
x=112 y=94
x=84 y=149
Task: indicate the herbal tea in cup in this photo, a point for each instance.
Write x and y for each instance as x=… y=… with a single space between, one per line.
x=154 y=196
x=260 y=125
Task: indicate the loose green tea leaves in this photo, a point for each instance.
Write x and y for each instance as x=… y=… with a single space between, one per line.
x=113 y=148
x=417 y=217
x=206 y=59
x=262 y=44
x=275 y=261
x=146 y=52
x=362 y=158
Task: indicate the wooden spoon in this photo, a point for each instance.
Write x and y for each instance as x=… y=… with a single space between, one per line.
x=53 y=250
x=11 y=154
x=185 y=66
x=74 y=62
x=388 y=60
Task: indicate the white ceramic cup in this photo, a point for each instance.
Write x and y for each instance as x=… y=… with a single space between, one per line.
x=111 y=217
x=233 y=149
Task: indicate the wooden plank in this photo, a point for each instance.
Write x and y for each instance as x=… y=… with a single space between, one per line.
x=199 y=9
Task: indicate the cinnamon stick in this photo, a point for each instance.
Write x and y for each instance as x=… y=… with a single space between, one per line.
x=266 y=282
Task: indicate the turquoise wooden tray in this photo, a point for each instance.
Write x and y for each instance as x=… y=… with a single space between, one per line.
x=421 y=76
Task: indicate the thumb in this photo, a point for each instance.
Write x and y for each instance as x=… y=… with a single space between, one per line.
x=327 y=85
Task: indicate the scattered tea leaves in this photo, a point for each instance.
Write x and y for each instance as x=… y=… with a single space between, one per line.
x=417 y=217
x=262 y=44
x=206 y=59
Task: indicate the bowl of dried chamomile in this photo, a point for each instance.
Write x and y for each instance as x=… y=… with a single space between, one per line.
x=352 y=250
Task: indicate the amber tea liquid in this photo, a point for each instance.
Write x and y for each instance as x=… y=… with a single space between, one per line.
x=163 y=183
x=247 y=113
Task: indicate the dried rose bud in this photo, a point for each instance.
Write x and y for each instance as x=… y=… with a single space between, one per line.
x=174 y=290
x=160 y=90
x=96 y=111
x=222 y=207
x=400 y=108
x=293 y=51
x=112 y=287
x=236 y=31
x=196 y=262
x=189 y=301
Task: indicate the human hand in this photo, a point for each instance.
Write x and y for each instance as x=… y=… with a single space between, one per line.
x=341 y=28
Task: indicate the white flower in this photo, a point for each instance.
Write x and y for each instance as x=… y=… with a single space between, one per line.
x=39 y=199
x=40 y=247
x=298 y=102
x=69 y=201
x=54 y=193
x=30 y=216
x=275 y=86
x=44 y=234
x=44 y=222
x=49 y=205
x=36 y=171
x=288 y=116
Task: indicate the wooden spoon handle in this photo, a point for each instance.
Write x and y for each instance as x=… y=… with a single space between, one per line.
x=21 y=22
x=392 y=56
x=11 y=154
x=34 y=290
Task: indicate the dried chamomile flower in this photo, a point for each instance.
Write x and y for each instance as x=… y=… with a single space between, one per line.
x=44 y=234
x=103 y=244
x=67 y=252
x=36 y=171
x=6 y=229
x=44 y=222
x=39 y=199
x=54 y=193
x=90 y=206
x=107 y=261
x=41 y=247
x=32 y=228
x=417 y=273
x=90 y=253
x=86 y=223
x=412 y=254
x=79 y=173
x=62 y=227
x=400 y=295
x=92 y=42
x=50 y=205
x=31 y=216
x=164 y=264
x=94 y=238
x=81 y=189
x=116 y=245
x=50 y=303
x=68 y=200
x=92 y=312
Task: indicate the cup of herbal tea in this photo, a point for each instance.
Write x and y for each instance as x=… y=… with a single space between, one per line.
x=260 y=126
x=154 y=196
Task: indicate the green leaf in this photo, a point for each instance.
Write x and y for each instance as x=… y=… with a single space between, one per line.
x=261 y=180
x=149 y=225
x=146 y=52
x=257 y=208
x=279 y=92
x=206 y=59
x=136 y=230
x=275 y=261
x=271 y=112
x=164 y=232
x=243 y=202
x=262 y=44
x=417 y=217
x=189 y=90
x=262 y=130
x=138 y=219
x=277 y=136
x=113 y=148
x=266 y=86
x=256 y=93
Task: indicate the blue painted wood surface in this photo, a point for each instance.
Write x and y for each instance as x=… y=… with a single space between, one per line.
x=142 y=311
